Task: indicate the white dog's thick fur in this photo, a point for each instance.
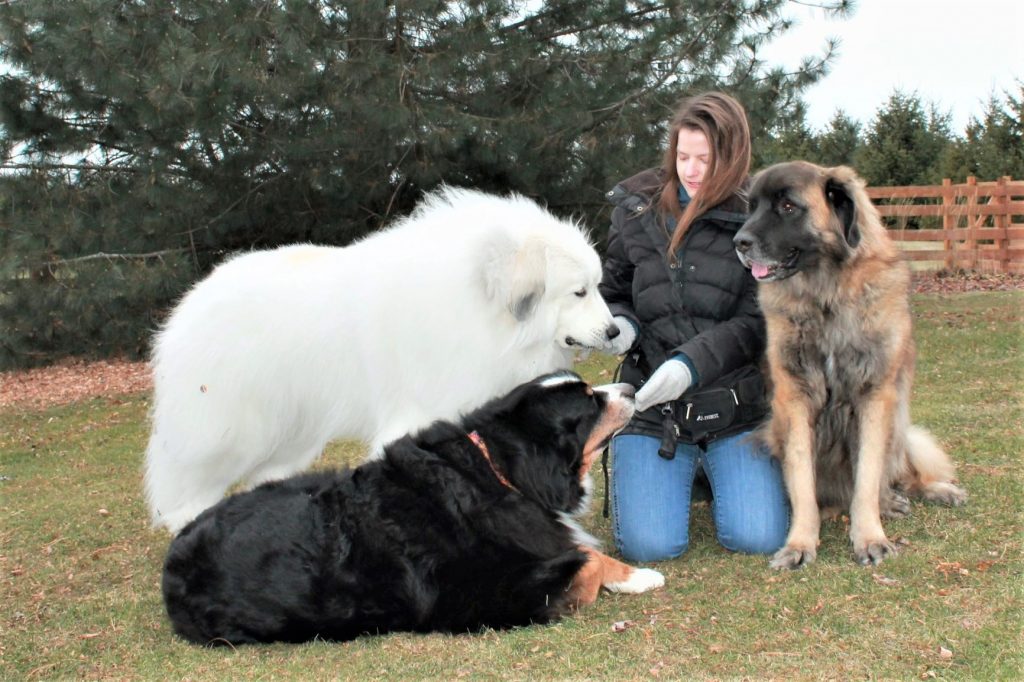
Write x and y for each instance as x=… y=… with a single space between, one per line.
x=278 y=352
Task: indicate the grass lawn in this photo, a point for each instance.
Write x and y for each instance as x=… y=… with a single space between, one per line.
x=80 y=568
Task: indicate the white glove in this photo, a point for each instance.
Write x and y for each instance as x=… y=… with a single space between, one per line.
x=666 y=384
x=624 y=341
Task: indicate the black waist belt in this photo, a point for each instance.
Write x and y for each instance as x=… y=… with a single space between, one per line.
x=708 y=412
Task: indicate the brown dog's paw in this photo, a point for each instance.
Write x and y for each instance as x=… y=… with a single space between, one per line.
x=946 y=493
x=872 y=553
x=895 y=505
x=792 y=557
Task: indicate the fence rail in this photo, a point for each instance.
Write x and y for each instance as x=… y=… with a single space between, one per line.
x=973 y=225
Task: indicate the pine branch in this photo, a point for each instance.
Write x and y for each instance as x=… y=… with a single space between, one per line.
x=112 y=256
x=573 y=30
x=69 y=166
x=837 y=7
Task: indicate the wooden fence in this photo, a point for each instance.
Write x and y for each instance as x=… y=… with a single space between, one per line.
x=972 y=226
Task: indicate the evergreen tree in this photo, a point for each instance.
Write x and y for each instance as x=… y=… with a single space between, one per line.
x=993 y=146
x=145 y=140
x=837 y=144
x=788 y=140
x=904 y=143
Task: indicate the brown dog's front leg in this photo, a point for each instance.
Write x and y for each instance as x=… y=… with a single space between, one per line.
x=870 y=545
x=801 y=546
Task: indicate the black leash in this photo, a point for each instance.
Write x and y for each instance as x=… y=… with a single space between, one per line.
x=604 y=454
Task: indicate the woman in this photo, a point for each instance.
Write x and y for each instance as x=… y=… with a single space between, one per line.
x=693 y=337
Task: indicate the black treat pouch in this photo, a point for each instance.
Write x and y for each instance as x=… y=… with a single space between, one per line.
x=707 y=412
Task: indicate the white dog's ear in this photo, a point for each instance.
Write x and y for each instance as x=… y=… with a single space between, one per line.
x=515 y=275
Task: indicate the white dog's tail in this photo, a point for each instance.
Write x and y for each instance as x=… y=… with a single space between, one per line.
x=932 y=470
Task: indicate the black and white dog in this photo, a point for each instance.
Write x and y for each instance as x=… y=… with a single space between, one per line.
x=459 y=527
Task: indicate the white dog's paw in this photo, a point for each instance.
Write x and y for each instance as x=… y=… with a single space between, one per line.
x=640 y=580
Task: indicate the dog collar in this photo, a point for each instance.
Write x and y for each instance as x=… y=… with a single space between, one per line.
x=478 y=441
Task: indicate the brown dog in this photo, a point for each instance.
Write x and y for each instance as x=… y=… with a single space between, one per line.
x=834 y=291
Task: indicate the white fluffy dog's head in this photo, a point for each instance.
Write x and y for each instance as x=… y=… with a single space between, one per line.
x=540 y=269
x=581 y=317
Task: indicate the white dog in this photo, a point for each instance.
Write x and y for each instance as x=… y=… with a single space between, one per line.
x=278 y=352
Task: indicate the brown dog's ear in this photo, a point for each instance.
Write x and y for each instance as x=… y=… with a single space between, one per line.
x=841 y=184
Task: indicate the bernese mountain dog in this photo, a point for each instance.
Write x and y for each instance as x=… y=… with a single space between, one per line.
x=460 y=527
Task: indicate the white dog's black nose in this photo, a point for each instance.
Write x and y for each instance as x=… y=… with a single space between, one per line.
x=611 y=331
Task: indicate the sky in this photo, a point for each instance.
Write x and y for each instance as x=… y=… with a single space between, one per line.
x=954 y=53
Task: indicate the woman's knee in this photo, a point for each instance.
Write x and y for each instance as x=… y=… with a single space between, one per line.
x=750 y=505
x=642 y=534
x=650 y=499
x=752 y=542
x=754 y=532
x=643 y=547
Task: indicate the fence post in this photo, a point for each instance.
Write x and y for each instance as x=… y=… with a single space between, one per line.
x=947 y=222
x=1001 y=221
x=974 y=222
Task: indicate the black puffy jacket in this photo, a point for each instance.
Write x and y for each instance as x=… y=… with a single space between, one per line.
x=704 y=305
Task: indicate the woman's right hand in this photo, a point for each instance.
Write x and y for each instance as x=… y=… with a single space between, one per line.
x=624 y=341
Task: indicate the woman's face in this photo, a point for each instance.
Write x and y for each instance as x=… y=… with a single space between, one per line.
x=693 y=154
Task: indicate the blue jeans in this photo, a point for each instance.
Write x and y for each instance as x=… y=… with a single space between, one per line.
x=651 y=496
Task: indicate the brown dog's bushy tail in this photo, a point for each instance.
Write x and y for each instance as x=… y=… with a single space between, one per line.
x=932 y=472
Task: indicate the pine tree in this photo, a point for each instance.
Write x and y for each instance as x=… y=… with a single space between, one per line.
x=789 y=139
x=904 y=143
x=144 y=141
x=994 y=145
x=837 y=145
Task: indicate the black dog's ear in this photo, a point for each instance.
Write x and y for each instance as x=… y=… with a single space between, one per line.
x=839 y=197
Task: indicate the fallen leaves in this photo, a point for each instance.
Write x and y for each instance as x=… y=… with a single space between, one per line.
x=961 y=282
x=948 y=568
x=71 y=381
x=885 y=581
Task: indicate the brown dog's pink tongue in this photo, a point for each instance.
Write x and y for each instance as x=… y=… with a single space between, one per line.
x=758 y=270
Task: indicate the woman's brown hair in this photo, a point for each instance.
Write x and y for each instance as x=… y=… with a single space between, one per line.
x=724 y=123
